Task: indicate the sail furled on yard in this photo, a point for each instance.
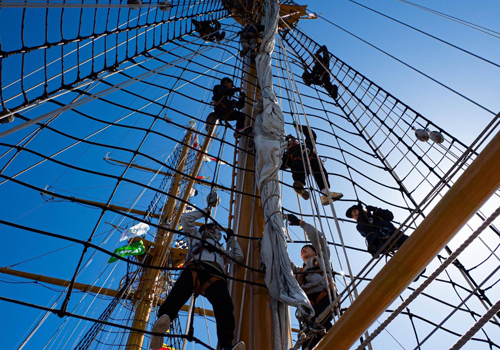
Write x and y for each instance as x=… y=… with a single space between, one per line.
x=269 y=147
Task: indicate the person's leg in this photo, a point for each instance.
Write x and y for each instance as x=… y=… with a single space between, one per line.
x=218 y=295
x=298 y=173
x=178 y=296
x=317 y=167
x=239 y=117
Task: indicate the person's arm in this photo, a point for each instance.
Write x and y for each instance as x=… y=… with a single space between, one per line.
x=221 y=91
x=189 y=226
x=234 y=248
x=305 y=131
x=317 y=238
x=382 y=213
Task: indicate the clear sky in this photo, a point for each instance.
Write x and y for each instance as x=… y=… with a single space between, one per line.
x=467 y=75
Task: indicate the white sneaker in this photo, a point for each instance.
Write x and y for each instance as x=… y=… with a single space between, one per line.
x=333 y=195
x=243 y=132
x=161 y=326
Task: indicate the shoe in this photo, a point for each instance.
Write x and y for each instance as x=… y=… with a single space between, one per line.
x=221 y=36
x=243 y=132
x=211 y=119
x=197 y=26
x=238 y=346
x=333 y=195
x=334 y=92
x=298 y=187
x=161 y=326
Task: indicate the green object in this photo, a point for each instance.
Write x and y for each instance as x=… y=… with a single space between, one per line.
x=136 y=248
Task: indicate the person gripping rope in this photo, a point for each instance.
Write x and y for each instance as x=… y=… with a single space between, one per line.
x=249 y=39
x=311 y=276
x=294 y=158
x=375 y=225
x=204 y=274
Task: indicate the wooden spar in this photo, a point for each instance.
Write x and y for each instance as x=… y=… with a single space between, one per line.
x=87 y=288
x=252 y=308
x=164 y=240
x=479 y=181
x=60 y=282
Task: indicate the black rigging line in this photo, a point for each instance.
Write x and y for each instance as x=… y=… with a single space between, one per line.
x=427 y=34
x=454 y=19
x=411 y=67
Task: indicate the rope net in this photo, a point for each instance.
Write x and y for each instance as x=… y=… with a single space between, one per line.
x=105 y=114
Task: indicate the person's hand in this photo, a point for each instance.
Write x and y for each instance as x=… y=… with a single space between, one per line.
x=371 y=208
x=229 y=234
x=293 y=220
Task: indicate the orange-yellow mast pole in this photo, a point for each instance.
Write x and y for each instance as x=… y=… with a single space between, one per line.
x=462 y=201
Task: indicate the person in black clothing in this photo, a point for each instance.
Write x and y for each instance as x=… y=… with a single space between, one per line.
x=227 y=109
x=320 y=74
x=204 y=274
x=375 y=225
x=209 y=30
x=249 y=39
x=294 y=158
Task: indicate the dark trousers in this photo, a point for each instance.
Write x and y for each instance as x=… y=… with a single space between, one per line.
x=375 y=242
x=298 y=173
x=217 y=294
x=237 y=116
x=318 y=309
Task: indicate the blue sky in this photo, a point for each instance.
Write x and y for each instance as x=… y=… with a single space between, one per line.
x=469 y=76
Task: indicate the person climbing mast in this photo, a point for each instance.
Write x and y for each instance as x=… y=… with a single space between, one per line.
x=375 y=225
x=320 y=74
x=204 y=274
x=294 y=158
x=227 y=109
x=209 y=30
x=312 y=279
x=249 y=39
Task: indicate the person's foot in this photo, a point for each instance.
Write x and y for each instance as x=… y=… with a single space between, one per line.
x=211 y=119
x=243 y=132
x=238 y=346
x=298 y=187
x=196 y=25
x=162 y=325
x=334 y=92
x=221 y=36
x=333 y=195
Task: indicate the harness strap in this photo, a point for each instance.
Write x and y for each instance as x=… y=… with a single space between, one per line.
x=201 y=288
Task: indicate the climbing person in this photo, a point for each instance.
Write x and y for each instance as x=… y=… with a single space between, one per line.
x=209 y=30
x=249 y=39
x=320 y=74
x=227 y=109
x=204 y=274
x=295 y=157
x=312 y=279
x=375 y=225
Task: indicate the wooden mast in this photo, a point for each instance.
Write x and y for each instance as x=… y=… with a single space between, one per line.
x=466 y=196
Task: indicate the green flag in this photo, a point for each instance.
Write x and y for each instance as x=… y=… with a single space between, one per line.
x=136 y=248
